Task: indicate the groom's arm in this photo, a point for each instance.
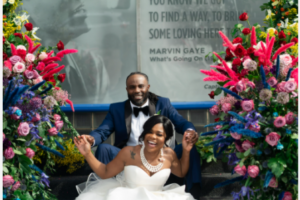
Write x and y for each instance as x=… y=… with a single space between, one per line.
x=104 y=130
x=181 y=124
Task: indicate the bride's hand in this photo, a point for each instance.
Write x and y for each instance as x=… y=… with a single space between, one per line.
x=83 y=145
x=187 y=145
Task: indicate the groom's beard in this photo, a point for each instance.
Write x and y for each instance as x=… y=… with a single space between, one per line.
x=138 y=102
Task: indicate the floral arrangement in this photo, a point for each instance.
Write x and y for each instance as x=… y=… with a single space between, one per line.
x=257 y=124
x=32 y=97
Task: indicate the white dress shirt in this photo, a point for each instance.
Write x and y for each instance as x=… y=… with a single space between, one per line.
x=137 y=125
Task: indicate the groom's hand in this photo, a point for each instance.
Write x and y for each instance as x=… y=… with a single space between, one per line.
x=90 y=139
x=191 y=136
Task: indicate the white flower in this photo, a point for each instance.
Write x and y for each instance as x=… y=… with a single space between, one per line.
x=30 y=57
x=43 y=55
x=17 y=21
x=11 y=1
x=284 y=24
x=33 y=33
x=271 y=30
x=275 y=3
x=270 y=14
x=24 y=17
x=21 y=47
x=4 y=2
x=258 y=46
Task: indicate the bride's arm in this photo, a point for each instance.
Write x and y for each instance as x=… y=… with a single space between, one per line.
x=102 y=170
x=181 y=167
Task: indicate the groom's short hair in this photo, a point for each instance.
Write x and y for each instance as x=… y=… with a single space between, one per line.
x=139 y=73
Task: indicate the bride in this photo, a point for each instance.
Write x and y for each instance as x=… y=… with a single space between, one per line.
x=146 y=167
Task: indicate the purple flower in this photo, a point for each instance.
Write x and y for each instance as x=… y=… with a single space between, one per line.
x=273 y=70
x=235 y=195
x=44 y=179
x=232 y=159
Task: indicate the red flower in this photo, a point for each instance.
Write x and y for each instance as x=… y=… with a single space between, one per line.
x=60 y=46
x=21 y=53
x=3 y=39
x=237 y=62
x=240 y=51
x=217 y=119
x=250 y=51
x=295 y=40
x=244 y=72
x=4 y=56
x=246 y=31
x=282 y=42
x=19 y=35
x=237 y=40
x=28 y=26
x=212 y=94
x=281 y=35
x=244 y=16
x=228 y=52
x=61 y=77
x=51 y=79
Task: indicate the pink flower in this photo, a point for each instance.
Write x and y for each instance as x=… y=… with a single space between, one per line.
x=218 y=127
x=19 y=67
x=16 y=186
x=279 y=122
x=272 y=81
x=9 y=153
x=240 y=170
x=273 y=183
x=247 y=145
x=253 y=171
x=56 y=117
x=7 y=181
x=255 y=128
x=30 y=57
x=8 y=64
x=23 y=129
x=29 y=74
x=287 y=196
x=15 y=59
x=290 y=86
x=281 y=87
x=59 y=124
x=236 y=135
x=29 y=153
x=239 y=147
x=285 y=60
x=250 y=65
x=290 y=118
x=283 y=97
x=214 y=110
x=35 y=74
x=247 y=105
x=36 y=118
x=21 y=47
x=60 y=96
x=240 y=86
x=37 y=80
x=49 y=101
x=52 y=131
x=43 y=55
x=226 y=107
x=272 y=138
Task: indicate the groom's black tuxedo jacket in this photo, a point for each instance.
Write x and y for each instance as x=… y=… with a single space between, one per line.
x=118 y=120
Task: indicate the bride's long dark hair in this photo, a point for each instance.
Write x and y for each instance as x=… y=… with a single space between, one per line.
x=157 y=119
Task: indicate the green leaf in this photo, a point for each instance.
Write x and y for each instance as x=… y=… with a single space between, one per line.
x=247 y=152
x=239 y=155
x=4 y=123
x=17 y=151
x=284 y=179
x=222 y=116
x=21 y=139
x=41 y=131
x=294 y=136
x=225 y=127
x=33 y=147
x=276 y=167
x=25 y=160
x=26 y=196
x=218 y=91
x=11 y=38
x=5 y=170
x=25 y=168
x=13 y=170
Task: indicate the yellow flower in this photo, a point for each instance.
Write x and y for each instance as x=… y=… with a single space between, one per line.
x=263 y=35
x=271 y=31
x=294 y=50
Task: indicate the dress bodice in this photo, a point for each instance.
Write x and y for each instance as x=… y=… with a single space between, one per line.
x=136 y=177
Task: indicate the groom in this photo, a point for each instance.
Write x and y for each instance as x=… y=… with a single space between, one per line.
x=126 y=120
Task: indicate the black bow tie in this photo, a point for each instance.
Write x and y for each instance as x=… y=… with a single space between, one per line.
x=145 y=110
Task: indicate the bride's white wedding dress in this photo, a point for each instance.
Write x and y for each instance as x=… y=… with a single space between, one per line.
x=133 y=183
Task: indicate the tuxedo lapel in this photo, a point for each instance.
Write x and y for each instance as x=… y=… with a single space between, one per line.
x=151 y=108
x=128 y=114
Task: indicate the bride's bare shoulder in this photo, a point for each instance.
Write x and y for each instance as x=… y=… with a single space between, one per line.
x=129 y=150
x=169 y=151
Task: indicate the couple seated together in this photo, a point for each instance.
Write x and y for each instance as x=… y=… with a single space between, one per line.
x=145 y=156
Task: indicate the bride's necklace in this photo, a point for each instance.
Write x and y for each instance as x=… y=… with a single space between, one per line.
x=151 y=168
